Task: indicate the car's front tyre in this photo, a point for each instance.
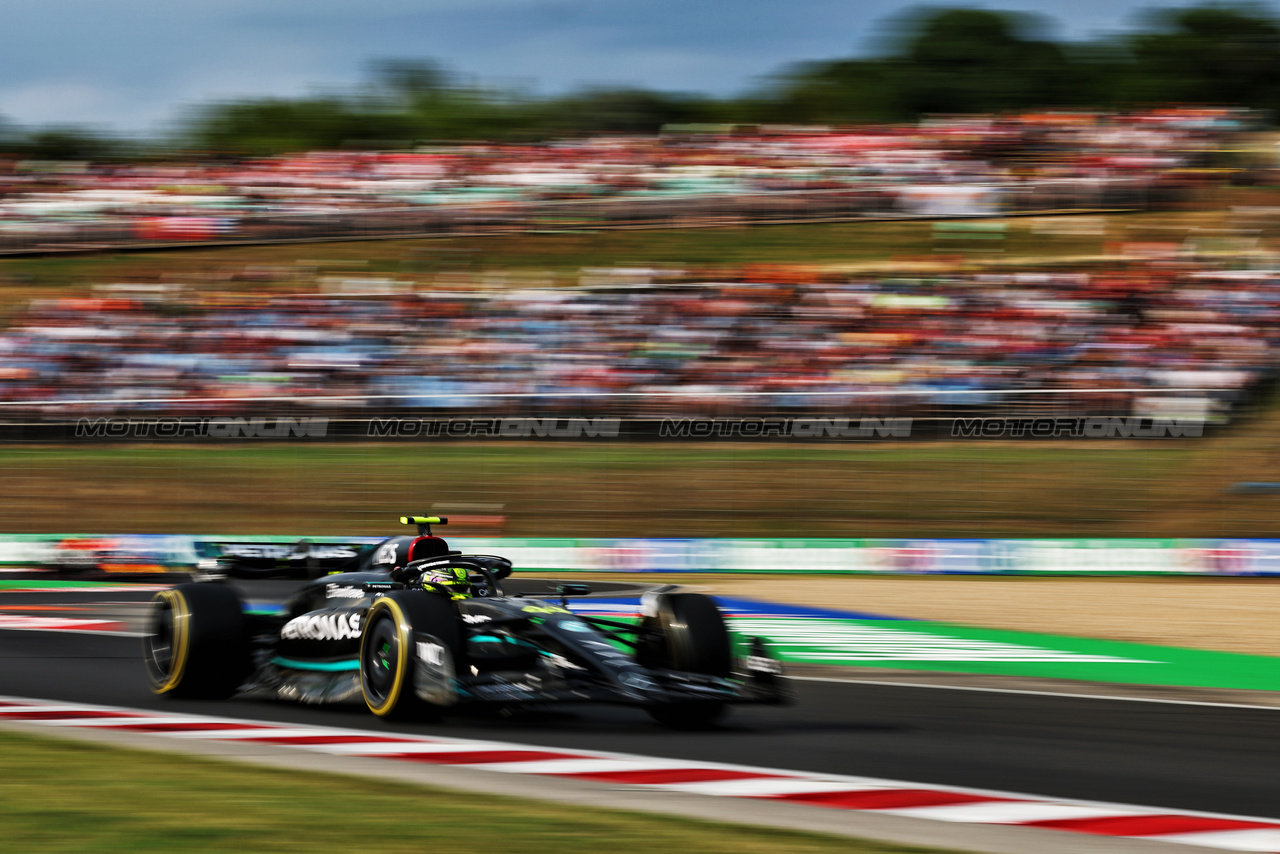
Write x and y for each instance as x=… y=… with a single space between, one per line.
x=389 y=652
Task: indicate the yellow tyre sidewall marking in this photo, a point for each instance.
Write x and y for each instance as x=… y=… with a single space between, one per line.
x=181 y=623
x=403 y=639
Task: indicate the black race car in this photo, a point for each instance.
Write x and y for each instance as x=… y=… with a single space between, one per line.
x=217 y=561
x=419 y=629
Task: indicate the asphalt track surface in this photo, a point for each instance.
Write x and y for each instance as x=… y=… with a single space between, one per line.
x=1178 y=756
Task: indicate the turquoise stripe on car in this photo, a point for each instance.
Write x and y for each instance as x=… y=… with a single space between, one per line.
x=294 y=664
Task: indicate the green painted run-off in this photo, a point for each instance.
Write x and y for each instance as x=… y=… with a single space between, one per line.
x=17 y=584
x=911 y=645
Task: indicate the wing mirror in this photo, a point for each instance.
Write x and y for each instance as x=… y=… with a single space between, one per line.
x=566 y=590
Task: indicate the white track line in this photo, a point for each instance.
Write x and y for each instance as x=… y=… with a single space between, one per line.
x=1028 y=692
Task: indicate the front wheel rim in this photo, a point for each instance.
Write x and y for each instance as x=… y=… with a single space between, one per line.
x=384 y=657
x=380 y=660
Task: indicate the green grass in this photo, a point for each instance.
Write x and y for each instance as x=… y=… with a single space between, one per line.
x=58 y=796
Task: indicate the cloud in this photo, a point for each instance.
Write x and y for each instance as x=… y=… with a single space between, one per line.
x=129 y=64
x=62 y=102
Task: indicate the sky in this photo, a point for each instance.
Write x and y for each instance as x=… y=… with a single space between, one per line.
x=133 y=66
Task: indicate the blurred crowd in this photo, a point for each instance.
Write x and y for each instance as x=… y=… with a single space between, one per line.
x=961 y=166
x=1120 y=340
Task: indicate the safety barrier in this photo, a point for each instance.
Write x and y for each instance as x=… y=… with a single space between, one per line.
x=72 y=553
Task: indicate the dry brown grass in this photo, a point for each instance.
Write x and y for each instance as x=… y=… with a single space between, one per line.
x=835 y=246
x=1169 y=488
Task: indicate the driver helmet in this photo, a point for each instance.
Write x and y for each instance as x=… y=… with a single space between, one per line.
x=452 y=578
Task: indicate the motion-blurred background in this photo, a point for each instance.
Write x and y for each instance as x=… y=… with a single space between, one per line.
x=977 y=280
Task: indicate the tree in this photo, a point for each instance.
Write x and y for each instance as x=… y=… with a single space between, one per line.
x=621 y=110
x=978 y=61
x=843 y=91
x=1212 y=54
x=410 y=80
x=66 y=143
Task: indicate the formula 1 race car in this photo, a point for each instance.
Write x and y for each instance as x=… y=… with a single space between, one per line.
x=421 y=629
x=303 y=559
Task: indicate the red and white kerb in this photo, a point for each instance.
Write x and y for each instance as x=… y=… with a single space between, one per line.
x=893 y=797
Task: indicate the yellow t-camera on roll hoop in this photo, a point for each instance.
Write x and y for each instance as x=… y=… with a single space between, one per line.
x=424 y=523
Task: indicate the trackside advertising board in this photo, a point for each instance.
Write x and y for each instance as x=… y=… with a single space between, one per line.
x=887 y=556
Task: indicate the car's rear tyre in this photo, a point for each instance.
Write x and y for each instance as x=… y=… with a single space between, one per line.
x=388 y=660
x=196 y=645
x=687 y=633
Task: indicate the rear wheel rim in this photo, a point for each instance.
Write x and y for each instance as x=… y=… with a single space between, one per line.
x=159 y=644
